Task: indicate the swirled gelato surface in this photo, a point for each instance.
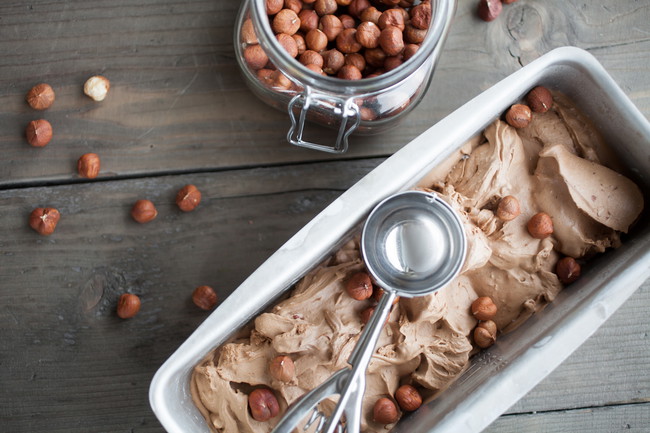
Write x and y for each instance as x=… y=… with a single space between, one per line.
x=552 y=166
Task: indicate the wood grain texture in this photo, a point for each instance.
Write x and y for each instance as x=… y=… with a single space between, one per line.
x=178 y=102
x=612 y=419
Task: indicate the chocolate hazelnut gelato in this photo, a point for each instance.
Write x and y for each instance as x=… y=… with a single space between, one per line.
x=551 y=166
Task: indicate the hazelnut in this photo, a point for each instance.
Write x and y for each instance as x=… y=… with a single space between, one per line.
x=343 y=2
x=286 y=21
x=311 y=57
x=489 y=10
x=204 y=297
x=40 y=97
x=540 y=225
x=300 y=43
x=421 y=16
x=507 y=2
x=347 y=21
x=484 y=308
x=356 y=7
x=128 y=305
x=368 y=34
x=282 y=368
x=385 y=411
x=44 y=220
x=408 y=398
x=88 y=165
x=371 y=14
x=188 y=198
x=519 y=116
x=346 y=41
x=539 y=99
x=359 y=286
x=393 y=62
x=96 y=88
x=508 y=208
x=391 y=40
x=315 y=68
x=248 y=35
x=332 y=61
x=274 y=6
x=294 y=5
x=489 y=325
x=316 y=40
x=331 y=25
x=255 y=56
x=375 y=57
x=356 y=60
x=288 y=43
x=263 y=404
x=143 y=211
x=279 y=81
x=366 y=314
x=349 y=72
x=325 y=7
x=391 y=17
x=308 y=20
x=410 y=50
x=414 y=35
x=38 y=132
x=265 y=76
x=567 y=270
x=483 y=337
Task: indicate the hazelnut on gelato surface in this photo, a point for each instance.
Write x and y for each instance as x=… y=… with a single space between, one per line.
x=552 y=166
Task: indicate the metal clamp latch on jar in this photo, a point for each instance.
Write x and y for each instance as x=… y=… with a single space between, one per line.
x=344 y=110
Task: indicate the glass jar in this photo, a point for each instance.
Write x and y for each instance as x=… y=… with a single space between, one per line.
x=366 y=106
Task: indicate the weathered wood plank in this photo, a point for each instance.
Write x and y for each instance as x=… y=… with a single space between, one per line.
x=624 y=418
x=178 y=102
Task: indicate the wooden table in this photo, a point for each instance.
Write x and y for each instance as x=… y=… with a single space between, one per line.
x=178 y=112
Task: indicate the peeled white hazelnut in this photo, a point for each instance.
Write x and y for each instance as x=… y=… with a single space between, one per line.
x=97 y=87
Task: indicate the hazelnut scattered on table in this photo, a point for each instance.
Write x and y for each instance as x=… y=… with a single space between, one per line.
x=188 y=198
x=282 y=368
x=263 y=404
x=567 y=270
x=385 y=411
x=44 y=220
x=38 y=133
x=540 y=225
x=204 y=297
x=128 y=305
x=88 y=165
x=519 y=116
x=143 y=211
x=484 y=308
x=359 y=286
x=408 y=398
x=97 y=87
x=41 y=96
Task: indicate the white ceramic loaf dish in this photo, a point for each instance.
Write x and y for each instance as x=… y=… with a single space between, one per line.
x=501 y=375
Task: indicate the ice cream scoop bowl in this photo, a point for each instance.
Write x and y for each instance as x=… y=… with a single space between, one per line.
x=413 y=244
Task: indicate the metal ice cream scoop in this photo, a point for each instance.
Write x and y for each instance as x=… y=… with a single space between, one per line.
x=413 y=244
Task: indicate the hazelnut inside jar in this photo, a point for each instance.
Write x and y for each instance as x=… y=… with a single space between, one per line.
x=371 y=34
